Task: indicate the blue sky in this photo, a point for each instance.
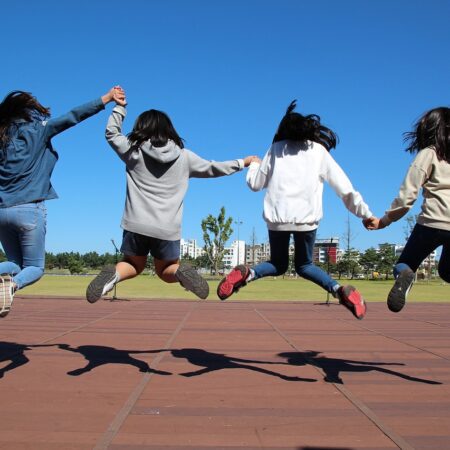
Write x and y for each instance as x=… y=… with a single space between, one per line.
x=225 y=73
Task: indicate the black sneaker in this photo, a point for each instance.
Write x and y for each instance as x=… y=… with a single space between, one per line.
x=101 y=284
x=397 y=296
x=191 y=280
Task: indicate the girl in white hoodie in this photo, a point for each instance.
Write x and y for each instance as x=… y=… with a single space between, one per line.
x=293 y=172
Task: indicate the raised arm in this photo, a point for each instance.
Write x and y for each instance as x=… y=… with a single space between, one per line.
x=59 y=124
x=113 y=133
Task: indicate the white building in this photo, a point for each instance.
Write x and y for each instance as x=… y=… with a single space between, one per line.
x=257 y=253
x=190 y=248
x=234 y=255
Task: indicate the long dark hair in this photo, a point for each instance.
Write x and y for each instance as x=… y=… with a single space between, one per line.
x=296 y=127
x=431 y=130
x=156 y=126
x=19 y=105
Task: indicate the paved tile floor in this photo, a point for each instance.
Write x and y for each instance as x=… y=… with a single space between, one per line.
x=203 y=375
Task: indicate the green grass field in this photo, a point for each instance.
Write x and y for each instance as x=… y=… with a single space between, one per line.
x=287 y=289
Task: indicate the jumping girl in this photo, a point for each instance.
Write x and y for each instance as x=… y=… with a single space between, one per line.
x=158 y=169
x=27 y=159
x=293 y=172
x=430 y=171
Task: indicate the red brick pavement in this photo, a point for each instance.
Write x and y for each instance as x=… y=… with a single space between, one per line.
x=172 y=375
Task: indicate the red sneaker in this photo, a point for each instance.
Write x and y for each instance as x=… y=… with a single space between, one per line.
x=232 y=282
x=352 y=300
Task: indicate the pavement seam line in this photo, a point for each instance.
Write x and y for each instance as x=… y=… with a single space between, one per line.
x=65 y=333
x=362 y=327
x=352 y=398
x=114 y=427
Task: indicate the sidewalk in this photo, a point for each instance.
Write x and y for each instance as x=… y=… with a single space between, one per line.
x=173 y=375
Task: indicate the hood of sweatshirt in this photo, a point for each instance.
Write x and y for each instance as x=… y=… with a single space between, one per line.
x=166 y=154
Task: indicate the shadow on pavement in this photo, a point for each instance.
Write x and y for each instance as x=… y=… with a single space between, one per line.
x=98 y=355
x=14 y=352
x=332 y=367
x=211 y=362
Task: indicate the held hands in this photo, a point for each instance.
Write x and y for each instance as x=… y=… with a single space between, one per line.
x=373 y=223
x=116 y=94
x=249 y=159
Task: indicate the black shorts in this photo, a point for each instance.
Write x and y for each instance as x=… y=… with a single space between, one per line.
x=134 y=244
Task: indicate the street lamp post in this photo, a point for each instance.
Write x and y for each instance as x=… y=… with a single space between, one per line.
x=238 y=223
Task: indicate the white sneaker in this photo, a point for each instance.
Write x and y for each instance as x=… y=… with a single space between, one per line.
x=6 y=295
x=102 y=283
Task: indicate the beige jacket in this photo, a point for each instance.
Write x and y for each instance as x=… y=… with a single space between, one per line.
x=433 y=176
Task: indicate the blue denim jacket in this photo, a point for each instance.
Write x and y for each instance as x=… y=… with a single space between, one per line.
x=27 y=162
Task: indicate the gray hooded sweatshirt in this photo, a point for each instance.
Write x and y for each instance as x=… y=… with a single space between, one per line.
x=157 y=180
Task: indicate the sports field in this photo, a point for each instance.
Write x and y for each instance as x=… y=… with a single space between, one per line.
x=285 y=289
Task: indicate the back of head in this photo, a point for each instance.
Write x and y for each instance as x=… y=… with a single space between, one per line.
x=296 y=127
x=431 y=130
x=155 y=126
x=19 y=105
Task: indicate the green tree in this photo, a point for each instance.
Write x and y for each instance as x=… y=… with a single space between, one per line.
x=75 y=264
x=92 y=260
x=50 y=260
x=369 y=261
x=216 y=232
x=202 y=262
x=386 y=258
x=410 y=220
x=349 y=264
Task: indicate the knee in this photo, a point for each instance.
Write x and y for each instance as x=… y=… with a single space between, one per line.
x=137 y=266
x=301 y=270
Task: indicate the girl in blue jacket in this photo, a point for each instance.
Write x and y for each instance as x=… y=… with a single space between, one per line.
x=27 y=159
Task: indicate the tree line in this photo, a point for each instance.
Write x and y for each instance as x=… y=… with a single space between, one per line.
x=216 y=232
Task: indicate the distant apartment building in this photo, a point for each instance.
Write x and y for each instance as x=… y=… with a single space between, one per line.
x=428 y=264
x=254 y=254
x=326 y=250
x=190 y=248
x=323 y=249
x=234 y=255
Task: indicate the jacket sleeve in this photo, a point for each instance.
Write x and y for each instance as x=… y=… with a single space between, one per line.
x=202 y=168
x=416 y=176
x=113 y=133
x=258 y=174
x=57 y=125
x=342 y=186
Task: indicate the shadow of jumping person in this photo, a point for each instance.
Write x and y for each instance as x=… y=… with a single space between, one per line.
x=332 y=367
x=98 y=355
x=15 y=352
x=211 y=362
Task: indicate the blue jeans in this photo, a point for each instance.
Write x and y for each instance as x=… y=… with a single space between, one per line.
x=303 y=259
x=22 y=235
x=421 y=243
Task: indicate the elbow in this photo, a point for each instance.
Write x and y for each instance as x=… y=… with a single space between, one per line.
x=253 y=187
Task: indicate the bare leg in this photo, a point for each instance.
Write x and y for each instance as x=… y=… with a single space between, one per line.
x=130 y=267
x=166 y=269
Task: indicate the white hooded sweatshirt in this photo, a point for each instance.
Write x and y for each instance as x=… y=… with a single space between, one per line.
x=293 y=172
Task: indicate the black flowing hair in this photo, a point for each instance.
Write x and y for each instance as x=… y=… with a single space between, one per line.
x=15 y=106
x=431 y=130
x=296 y=127
x=155 y=126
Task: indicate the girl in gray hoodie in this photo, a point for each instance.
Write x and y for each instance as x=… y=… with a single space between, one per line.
x=158 y=168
